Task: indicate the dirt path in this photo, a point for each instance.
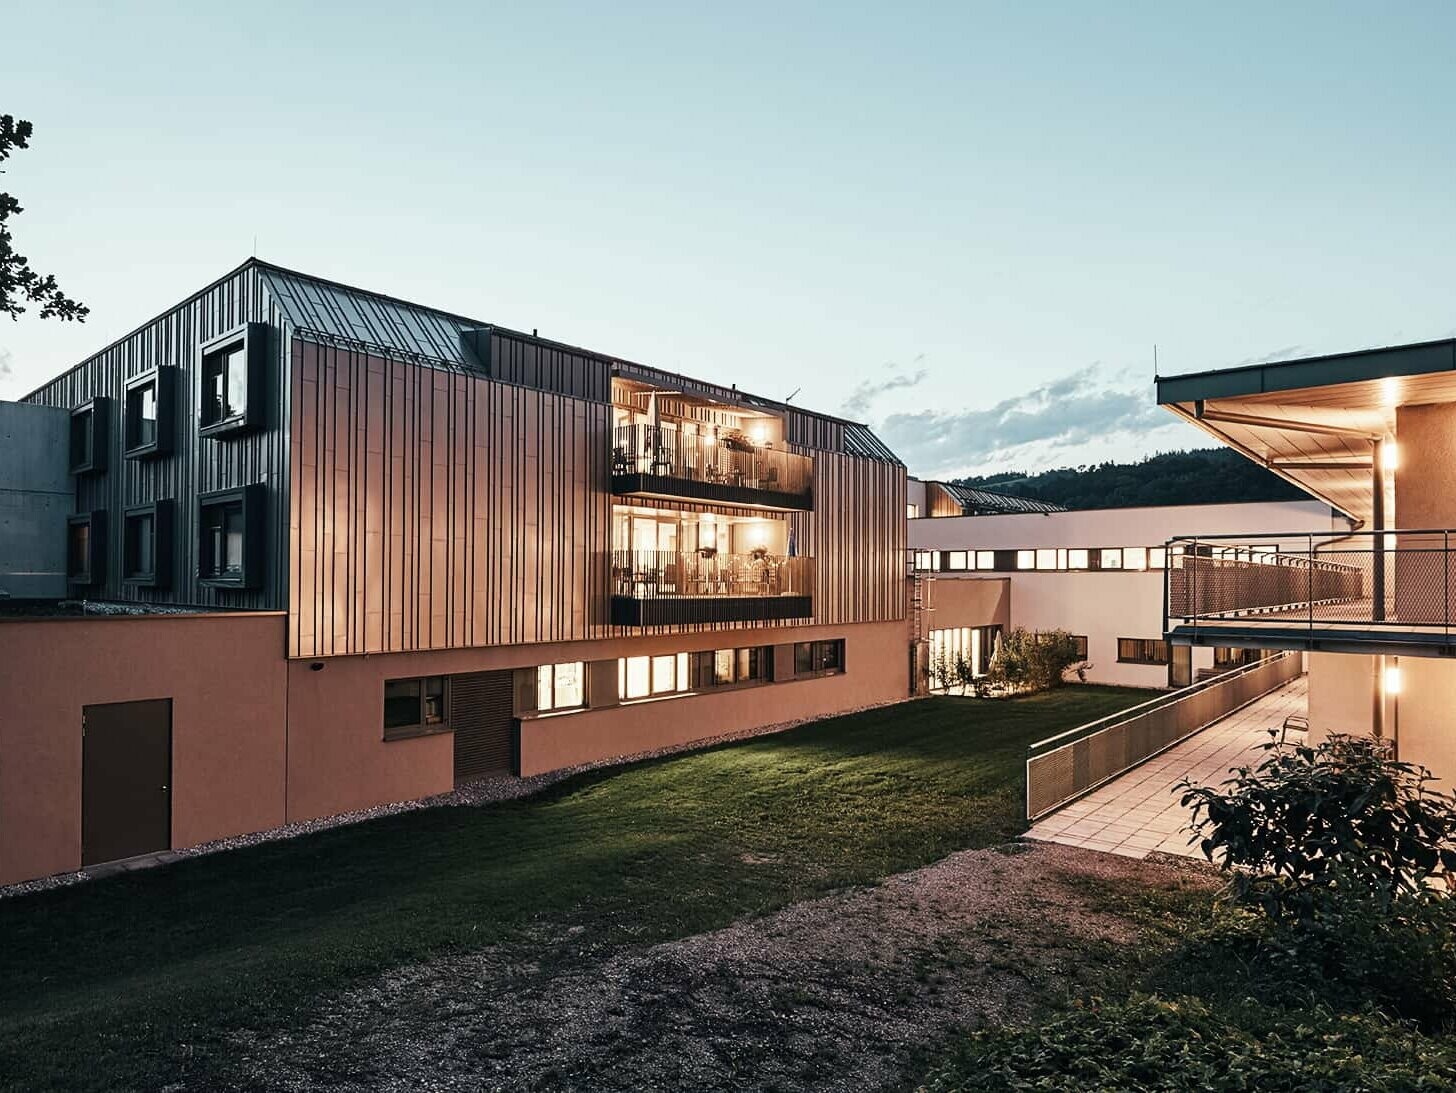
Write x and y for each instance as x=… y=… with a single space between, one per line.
x=838 y=993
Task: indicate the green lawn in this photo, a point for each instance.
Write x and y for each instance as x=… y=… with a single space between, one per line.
x=132 y=981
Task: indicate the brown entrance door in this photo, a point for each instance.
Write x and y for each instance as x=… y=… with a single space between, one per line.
x=1180 y=666
x=483 y=718
x=126 y=779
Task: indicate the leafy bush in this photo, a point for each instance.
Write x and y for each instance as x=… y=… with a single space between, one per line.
x=1033 y=660
x=1151 y=1043
x=1354 y=957
x=1312 y=827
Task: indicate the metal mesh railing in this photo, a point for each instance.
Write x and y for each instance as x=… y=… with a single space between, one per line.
x=1064 y=767
x=1361 y=579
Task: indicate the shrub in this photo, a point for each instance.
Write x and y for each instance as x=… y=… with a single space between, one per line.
x=1034 y=661
x=1312 y=826
x=1151 y=1043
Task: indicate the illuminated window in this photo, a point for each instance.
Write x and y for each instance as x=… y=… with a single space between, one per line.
x=985 y=559
x=1026 y=559
x=634 y=677
x=1046 y=558
x=912 y=511
x=1135 y=558
x=1157 y=557
x=560 y=686
x=955 y=559
x=1077 y=559
x=924 y=560
x=1109 y=558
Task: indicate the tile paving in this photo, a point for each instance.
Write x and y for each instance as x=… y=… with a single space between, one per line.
x=1139 y=813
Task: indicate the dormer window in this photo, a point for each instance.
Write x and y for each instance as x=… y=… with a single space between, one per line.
x=231 y=395
x=89 y=434
x=148 y=415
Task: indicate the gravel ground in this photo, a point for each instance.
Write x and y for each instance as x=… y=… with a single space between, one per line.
x=841 y=993
x=483 y=791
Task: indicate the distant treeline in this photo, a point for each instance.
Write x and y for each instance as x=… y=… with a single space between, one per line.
x=1201 y=476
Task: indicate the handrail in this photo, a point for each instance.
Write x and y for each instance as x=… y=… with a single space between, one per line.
x=1168 y=699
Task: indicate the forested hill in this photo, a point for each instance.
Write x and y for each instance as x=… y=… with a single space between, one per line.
x=1201 y=476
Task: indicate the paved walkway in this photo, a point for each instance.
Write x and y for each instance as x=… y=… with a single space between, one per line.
x=1139 y=812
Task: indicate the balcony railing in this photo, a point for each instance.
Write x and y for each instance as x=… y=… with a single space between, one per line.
x=656 y=460
x=664 y=587
x=1384 y=583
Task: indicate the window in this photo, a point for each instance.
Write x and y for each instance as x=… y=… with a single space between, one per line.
x=1026 y=559
x=924 y=560
x=912 y=512
x=89 y=433
x=1157 y=557
x=1109 y=558
x=86 y=548
x=1135 y=558
x=231 y=397
x=1081 y=640
x=1226 y=657
x=815 y=658
x=645 y=677
x=147 y=422
x=146 y=545
x=955 y=559
x=561 y=686
x=729 y=667
x=985 y=559
x=230 y=537
x=415 y=707
x=1142 y=651
x=1077 y=558
x=1046 y=558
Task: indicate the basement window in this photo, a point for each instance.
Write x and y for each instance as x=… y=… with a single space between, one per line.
x=147 y=418
x=146 y=545
x=86 y=549
x=230 y=538
x=231 y=398
x=647 y=677
x=819 y=658
x=89 y=433
x=416 y=707
x=561 y=686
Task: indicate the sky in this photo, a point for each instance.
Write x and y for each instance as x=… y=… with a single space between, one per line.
x=966 y=224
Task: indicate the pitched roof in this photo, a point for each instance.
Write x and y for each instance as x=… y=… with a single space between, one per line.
x=979 y=502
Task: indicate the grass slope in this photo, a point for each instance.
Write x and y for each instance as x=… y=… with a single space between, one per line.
x=136 y=980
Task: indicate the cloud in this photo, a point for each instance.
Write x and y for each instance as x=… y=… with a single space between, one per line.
x=857 y=406
x=1075 y=418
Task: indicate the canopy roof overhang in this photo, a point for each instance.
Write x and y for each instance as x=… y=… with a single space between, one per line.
x=1316 y=422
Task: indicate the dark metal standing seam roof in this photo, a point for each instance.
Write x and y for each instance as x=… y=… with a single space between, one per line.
x=977 y=502
x=338 y=311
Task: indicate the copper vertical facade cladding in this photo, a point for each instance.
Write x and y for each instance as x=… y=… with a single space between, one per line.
x=437 y=510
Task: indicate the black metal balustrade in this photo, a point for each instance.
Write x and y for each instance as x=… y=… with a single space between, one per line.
x=1377 y=584
x=651 y=587
x=660 y=460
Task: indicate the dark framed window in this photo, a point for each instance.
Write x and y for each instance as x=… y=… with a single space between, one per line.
x=90 y=432
x=730 y=667
x=1142 y=651
x=416 y=707
x=561 y=686
x=819 y=658
x=148 y=414
x=231 y=395
x=230 y=538
x=146 y=545
x=86 y=549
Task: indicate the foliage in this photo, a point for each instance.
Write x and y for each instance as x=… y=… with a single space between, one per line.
x=19 y=283
x=1357 y=955
x=1033 y=660
x=1153 y=1043
x=1311 y=827
x=1171 y=478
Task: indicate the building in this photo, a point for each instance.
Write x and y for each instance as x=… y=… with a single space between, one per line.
x=995 y=560
x=1373 y=434
x=367 y=549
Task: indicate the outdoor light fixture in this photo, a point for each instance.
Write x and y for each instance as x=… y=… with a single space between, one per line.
x=1392 y=680
x=759 y=434
x=1389 y=455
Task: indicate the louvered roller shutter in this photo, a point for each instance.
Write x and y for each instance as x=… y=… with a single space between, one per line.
x=482 y=717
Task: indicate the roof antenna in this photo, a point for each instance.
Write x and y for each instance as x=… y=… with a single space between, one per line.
x=1155 y=361
x=791 y=397
x=255 y=244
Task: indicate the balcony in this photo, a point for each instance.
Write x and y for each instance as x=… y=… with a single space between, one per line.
x=664 y=462
x=657 y=588
x=1373 y=592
